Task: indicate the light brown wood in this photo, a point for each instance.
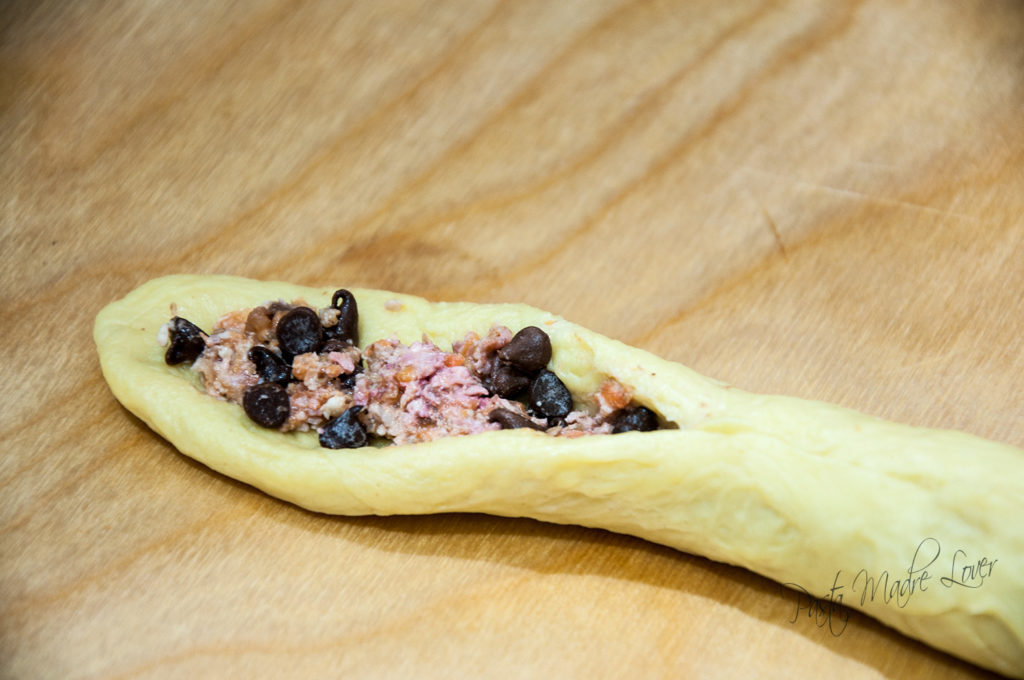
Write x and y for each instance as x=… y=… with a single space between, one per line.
x=824 y=199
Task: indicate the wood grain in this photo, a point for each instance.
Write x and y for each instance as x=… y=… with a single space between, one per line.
x=823 y=199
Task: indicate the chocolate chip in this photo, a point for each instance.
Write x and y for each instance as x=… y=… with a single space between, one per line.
x=299 y=331
x=529 y=350
x=269 y=366
x=548 y=396
x=636 y=419
x=333 y=344
x=506 y=381
x=348 y=381
x=267 y=404
x=510 y=420
x=347 y=328
x=186 y=343
x=345 y=431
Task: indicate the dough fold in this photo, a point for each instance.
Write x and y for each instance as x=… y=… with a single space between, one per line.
x=806 y=493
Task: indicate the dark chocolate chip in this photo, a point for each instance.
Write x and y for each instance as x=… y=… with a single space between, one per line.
x=186 y=342
x=299 y=331
x=333 y=344
x=529 y=350
x=510 y=420
x=342 y=298
x=348 y=381
x=347 y=328
x=345 y=431
x=267 y=404
x=269 y=366
x=548 y=396
x=636 y=419
x=506 y=381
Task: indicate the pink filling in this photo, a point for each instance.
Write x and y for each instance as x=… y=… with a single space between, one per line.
x=409 y=393
x=419 y=392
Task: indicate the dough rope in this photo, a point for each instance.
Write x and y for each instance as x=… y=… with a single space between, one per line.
x=917 y=528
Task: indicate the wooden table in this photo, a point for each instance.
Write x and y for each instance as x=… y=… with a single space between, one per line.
x=824 y=199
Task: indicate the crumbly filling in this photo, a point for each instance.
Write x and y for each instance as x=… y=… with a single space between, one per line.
x=404 y=393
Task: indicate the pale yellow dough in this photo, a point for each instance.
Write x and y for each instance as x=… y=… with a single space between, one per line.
x=791 y=489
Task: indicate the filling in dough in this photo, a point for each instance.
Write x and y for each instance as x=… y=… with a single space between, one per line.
x=292 y=367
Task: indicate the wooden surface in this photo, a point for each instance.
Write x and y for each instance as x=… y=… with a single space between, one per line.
x=819 y=199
